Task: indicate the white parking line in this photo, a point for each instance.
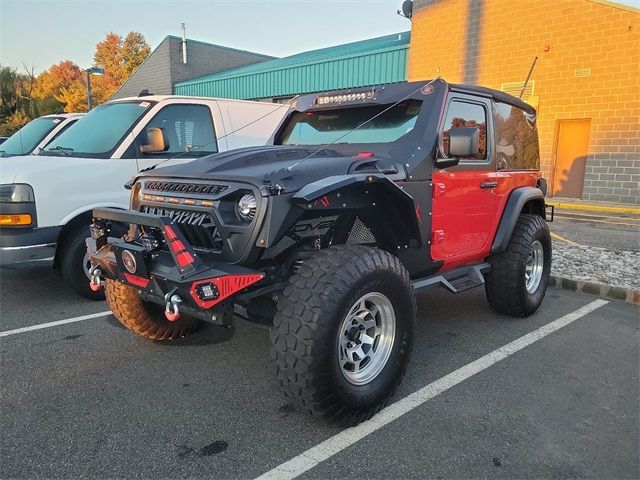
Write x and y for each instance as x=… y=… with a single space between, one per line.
x=53 y=324
x=312 y=457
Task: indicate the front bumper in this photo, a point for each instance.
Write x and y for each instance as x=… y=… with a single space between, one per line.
x=28 y=247
x=163 y=266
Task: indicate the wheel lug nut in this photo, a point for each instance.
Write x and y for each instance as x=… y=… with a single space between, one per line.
x=354 y=322
x=361 y=327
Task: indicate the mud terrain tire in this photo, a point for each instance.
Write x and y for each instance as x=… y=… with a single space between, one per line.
x=321 y=298
x=506 y=281
x=143 y=318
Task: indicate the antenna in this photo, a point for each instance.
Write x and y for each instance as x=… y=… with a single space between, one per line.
x=528 y=77
x=183 y=27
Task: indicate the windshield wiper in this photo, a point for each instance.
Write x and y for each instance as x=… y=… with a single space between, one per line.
x=64 y=150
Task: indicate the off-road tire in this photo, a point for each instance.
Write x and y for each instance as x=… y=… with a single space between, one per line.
x=143 y=318
x=505 y=282
x=309 y=313
x=72 y=257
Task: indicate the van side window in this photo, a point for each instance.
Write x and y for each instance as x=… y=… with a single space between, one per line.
x=187 y=128
x=463 y=114
x=516 y=139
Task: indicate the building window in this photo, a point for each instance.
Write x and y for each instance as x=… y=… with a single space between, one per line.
x=516 y=139
x=514 y=88
x=471 y=115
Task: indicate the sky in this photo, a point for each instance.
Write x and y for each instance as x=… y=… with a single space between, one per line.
x=39 y=33
x=61 y=30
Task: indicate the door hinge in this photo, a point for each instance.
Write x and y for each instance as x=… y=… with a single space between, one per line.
x=438 y=190
x=437 y=237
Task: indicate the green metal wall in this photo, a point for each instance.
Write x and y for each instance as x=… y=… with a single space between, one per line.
x=369 y=62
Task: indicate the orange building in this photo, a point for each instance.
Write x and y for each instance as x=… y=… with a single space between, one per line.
x=585 y=83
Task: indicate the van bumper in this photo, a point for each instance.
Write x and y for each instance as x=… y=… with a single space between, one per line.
x=28 y=247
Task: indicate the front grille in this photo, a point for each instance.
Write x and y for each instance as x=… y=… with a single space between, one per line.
x=177 y=187
x=197 y=227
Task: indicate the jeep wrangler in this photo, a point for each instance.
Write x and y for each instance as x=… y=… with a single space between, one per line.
x=363 y=197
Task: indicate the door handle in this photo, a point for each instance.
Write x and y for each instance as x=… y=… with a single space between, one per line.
x=488 y=184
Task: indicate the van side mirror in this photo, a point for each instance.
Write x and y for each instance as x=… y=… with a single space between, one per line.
x=156 y=142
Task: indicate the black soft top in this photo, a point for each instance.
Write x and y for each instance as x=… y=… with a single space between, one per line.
x=497 y=95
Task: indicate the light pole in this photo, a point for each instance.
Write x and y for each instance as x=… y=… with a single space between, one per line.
x=92 y=71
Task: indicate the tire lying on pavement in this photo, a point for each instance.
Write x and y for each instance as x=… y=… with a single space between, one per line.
x=343 y=332
x=144 y=318
x=517 y=281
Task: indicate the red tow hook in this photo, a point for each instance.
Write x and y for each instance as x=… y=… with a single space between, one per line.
x=95 y=284
x=172 y=310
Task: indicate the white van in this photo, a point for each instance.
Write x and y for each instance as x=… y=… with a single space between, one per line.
x=37 y=134
x=46 y=199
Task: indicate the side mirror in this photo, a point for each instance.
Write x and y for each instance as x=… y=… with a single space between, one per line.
x=464 y=142
x=156 y=142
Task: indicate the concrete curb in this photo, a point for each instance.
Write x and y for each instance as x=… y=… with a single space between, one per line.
x=595 y=208
x=603 y=290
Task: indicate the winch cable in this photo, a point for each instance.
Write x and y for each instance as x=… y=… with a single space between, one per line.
x=288 y=105
x=362 y=124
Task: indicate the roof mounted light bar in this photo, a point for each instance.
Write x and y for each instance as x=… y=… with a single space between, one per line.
x=349 y=96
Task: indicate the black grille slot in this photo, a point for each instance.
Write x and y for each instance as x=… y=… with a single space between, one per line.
x=197 y=227
x=177 y=187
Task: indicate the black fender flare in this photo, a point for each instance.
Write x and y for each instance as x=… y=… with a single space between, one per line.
x=377 y=183
x=515 y=205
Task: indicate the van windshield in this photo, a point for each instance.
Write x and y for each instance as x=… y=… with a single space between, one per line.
x=326 y=126
x=25 y=140
x=100 y=131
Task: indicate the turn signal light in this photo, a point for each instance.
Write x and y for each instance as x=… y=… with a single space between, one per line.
x=15 y=220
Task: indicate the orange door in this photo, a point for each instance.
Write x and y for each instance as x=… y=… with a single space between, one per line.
x=572 y=145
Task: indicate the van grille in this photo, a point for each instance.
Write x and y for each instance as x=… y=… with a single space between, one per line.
x=198 y=227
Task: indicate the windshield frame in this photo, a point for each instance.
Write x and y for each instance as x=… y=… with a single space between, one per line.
x=109 y=153
x=55 y=124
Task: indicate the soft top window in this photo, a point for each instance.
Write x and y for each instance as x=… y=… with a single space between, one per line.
x=326 y=126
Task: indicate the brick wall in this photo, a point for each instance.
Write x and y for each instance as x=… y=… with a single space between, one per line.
x=591 y=70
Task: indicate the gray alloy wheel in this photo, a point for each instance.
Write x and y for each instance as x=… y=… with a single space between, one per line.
x=534 y=267
x=366 y=337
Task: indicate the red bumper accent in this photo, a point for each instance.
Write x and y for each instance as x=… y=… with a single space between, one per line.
x=136 y=280
x=227 y=285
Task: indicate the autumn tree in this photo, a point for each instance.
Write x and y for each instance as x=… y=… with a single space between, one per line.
x=16 y=102
x=63 y=86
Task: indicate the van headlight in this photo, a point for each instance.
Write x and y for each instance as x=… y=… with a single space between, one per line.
x=246 y=208
x=16 y=193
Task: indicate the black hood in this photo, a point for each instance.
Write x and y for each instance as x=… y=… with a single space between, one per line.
x=287 y=166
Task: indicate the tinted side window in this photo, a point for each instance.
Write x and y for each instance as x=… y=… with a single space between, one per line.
x=187 y=128
x=516 y=139
x=463 y=114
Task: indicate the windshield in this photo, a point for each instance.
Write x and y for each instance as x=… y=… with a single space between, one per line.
x=326 y=126
x=100 y=131
x=25 y=140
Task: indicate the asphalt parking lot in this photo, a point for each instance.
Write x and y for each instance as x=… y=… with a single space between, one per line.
x=90 y=399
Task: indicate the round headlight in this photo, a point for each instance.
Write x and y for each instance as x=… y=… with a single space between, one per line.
x=246 y=208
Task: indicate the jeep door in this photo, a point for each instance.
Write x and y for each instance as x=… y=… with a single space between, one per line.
x=464 y=204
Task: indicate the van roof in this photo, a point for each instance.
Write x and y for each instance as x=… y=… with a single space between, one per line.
x=160 y=98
